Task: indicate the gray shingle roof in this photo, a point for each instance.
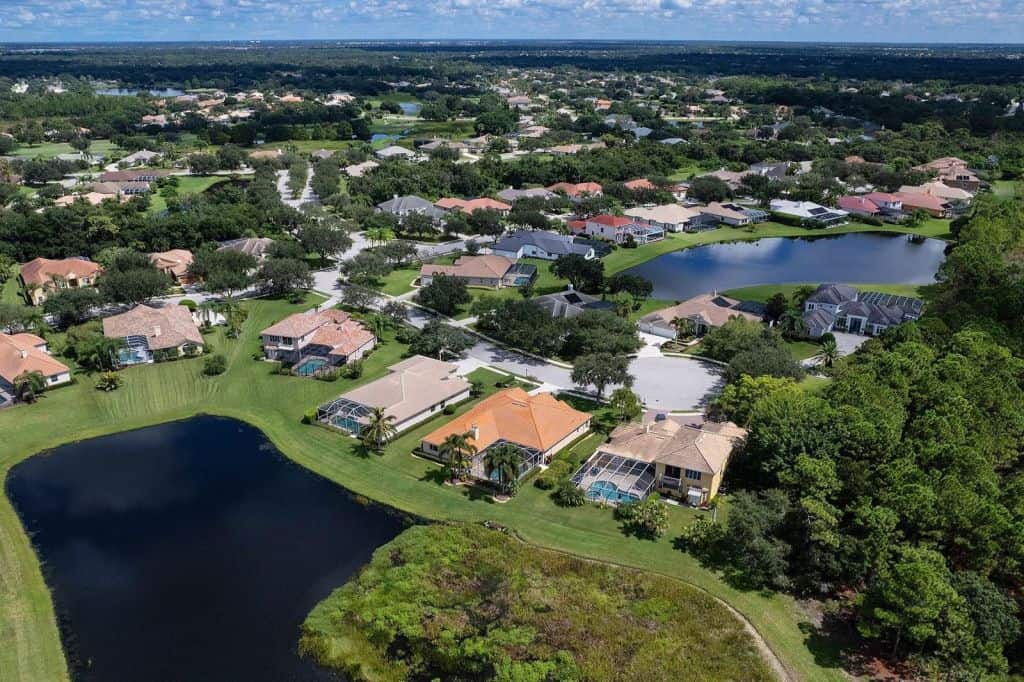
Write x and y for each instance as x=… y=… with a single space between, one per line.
x=833 y=294
x=556 y=244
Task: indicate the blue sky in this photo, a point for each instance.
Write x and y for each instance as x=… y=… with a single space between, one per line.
x=829 y=20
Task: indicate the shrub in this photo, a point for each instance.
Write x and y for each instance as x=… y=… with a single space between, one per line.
x=448 y=410
x=568 y=495
x=406 y=334
x=309 y=417
x=826 y=337
x=700 y=536
x=647 y=518
x=353 y=370
x=188 y=303
x=328 y=375
x=214 y=364
x=109 y=381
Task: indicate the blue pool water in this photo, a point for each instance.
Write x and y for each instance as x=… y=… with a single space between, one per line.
x=609 y=492
x=310 y=367
x=127 y=356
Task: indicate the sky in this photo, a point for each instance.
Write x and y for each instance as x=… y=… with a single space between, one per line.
x=899 y=21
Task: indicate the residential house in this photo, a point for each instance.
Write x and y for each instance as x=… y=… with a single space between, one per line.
x=519 y=102
x=577 y=190
x=953 y=172
x=571 y=303
x=139 y=158
x=513 y=195
x=838 y=307
x=540 y=244
x=149 y=331
x=410 y=203
x=266 y=155
x=25 y=353
x=640 y=184
x=469 y=206
x=174 y=263
x=570 y=149
x=42 y=276
x=860 y=205
x=331 y=336
x=810 y=212
x=733 y=179
x=619 y=228
x=668 y=217
x=395 y=152
x=704 y=312
x=257 y=247
x=482 y=271
x=91 y=198
x=780 y=172
x=942 y=191
x=538 y=425
x=733 y=215
x=917 y=201
x=660 y=455
x=412 y=391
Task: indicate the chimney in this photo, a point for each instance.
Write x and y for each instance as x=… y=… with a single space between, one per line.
x=474 y=431
x=23 y=352
x=156 y=330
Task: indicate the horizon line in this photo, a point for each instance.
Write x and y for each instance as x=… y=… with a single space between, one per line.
x=484 y=41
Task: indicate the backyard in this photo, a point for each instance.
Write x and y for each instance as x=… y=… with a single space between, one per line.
x=253 y=392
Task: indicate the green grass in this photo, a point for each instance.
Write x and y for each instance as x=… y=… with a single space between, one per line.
x=623 y=259
x=251 y=391
x=1007 y=188
x=762 y=292
x=10 y=292
x=813 y=384
x=48 y=150
x=187 y=184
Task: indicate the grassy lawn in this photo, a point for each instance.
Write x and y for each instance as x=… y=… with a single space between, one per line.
x=762 y=292
x=418 y=128
x=814 y=385
x=10 y=292
x=187 y=184
x=1006 y=188
x=48 y=150
x=253 y=392
x=623 y=259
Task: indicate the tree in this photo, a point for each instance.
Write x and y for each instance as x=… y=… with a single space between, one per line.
x=625 y=404
x=911 y=599
x=599 y=331
x=231 y=157
x=519 y=323
x=215 y=364
x=737 y=400
x=457 y=452
x=735 y=336
x=324 y=239
x=685 y=327
x=223 y=271
x=828 y=353
x=444 y=294
x=284 y=275
x=398 y=252
x=379 y=429
x=584 y=275
x=764 y=358
x=776 y=305
x=28 y=385
x=751 y=538
x=134 y=286
x=438 y=339
x=72 y=306
x=708 y=188
x=506 y=460
x=601 y=369
x=203 y=164
x=379 y=235
x=360 y=298
x=366 y=268
x=640 y=288
x=109 y=381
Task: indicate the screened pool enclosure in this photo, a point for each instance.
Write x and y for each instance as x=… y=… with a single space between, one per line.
x=613 y=479
x=344 y=414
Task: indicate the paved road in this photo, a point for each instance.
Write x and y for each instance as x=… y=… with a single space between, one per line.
x=286 y=194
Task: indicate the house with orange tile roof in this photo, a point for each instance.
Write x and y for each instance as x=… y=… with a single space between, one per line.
x=934 y=206
x=619 y=229
x=538 y=425
x=24 y=353
x=953 y=172
x=578 y=189
x=174 y=263
x=469 y=206
x=42 y=276
x=315 y=340
x=640 y=184
x=482 y=271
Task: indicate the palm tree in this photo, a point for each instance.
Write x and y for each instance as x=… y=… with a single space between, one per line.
x=829 y=352
x=457 y=453
x=28 y=385
x=379 y=235
x=377 y=323
x=379 y=430
x=684 y=327
x=507 y=460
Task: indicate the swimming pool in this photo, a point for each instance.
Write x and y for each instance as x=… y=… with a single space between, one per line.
x=131 y=356
x=309 y=367
x=606 y=491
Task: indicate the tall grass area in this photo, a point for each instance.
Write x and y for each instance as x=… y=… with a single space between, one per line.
x=253 y=392
x=499 y=608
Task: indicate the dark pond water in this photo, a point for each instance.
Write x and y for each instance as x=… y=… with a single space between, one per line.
x=189 y=551
x=411 y=108
x=854 y=258
x=131 y=92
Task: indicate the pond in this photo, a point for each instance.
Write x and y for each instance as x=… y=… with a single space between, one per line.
x=853 y=258
x=131 y=92
x=377 y=137
x=189 y=551
x=411 y=108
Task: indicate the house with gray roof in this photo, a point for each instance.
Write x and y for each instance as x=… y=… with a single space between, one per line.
x=571 y=303
x=838 y=307
x=513 y=195
x=540 y=244
x=410 y=203
x=395 y=152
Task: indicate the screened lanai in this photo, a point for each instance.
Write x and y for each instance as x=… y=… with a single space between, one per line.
x=531 y=458
x=613 y=479
x=344 y=414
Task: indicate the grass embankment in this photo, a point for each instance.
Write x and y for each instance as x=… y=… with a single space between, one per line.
x=48 y=150
x=251 y=391
x=10 y=292
x=762 y=292
x=187 y=184
x=499 y=608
